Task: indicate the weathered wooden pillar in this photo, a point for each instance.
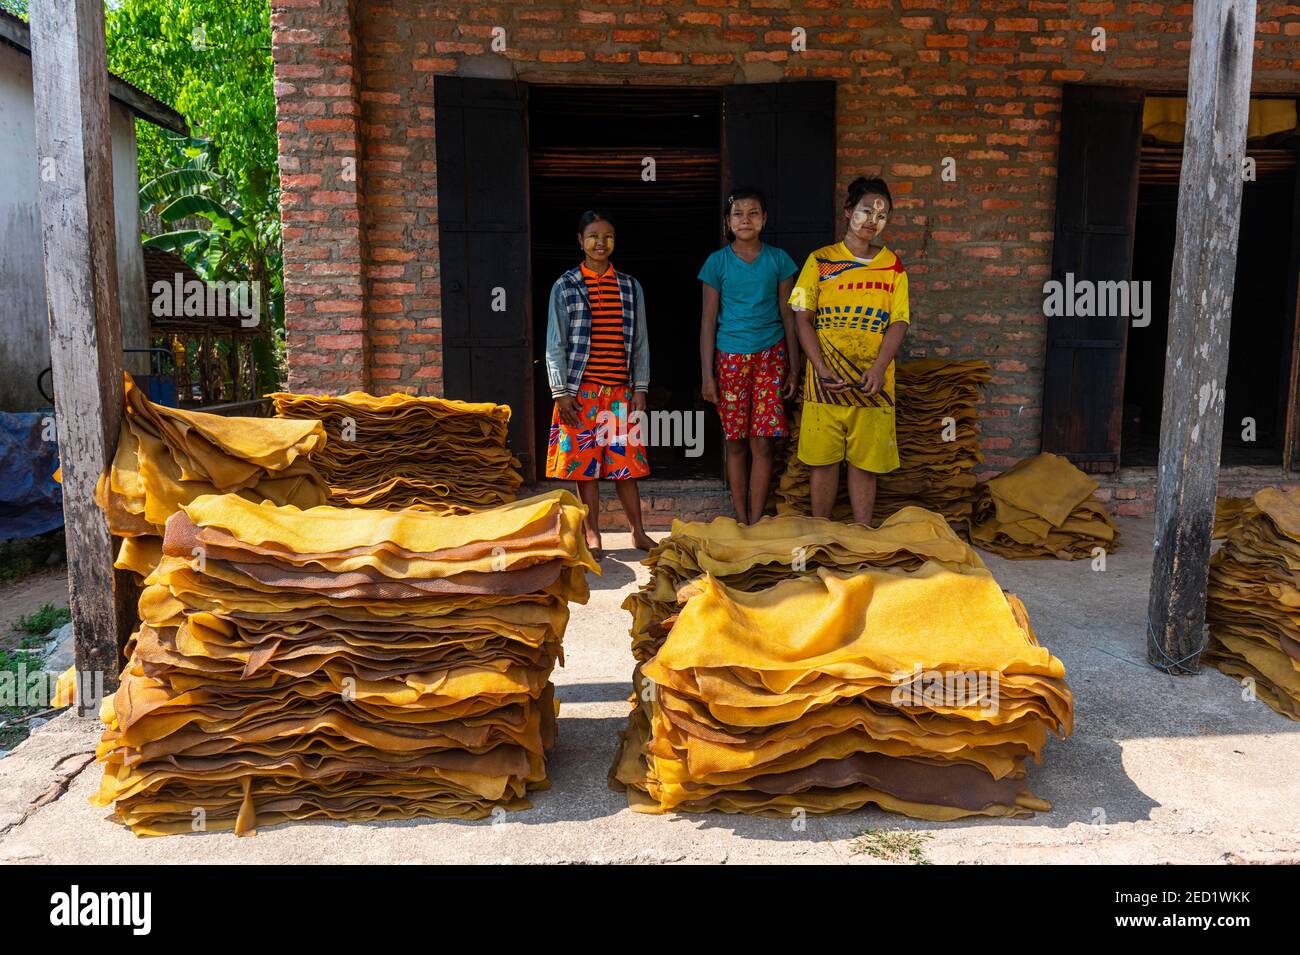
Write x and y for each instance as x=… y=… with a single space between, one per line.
x=70 y=80
x=1200 y=314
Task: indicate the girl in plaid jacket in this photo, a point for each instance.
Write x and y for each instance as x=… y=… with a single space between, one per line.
x=598 y=368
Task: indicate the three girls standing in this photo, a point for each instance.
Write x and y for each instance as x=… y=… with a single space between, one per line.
x=847 y=312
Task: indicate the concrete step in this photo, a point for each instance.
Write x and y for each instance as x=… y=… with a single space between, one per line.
x=661 y=501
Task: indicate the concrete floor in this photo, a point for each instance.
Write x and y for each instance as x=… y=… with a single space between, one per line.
x=1159 y=769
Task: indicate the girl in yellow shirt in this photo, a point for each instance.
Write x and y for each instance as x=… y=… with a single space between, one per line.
x=851 y=313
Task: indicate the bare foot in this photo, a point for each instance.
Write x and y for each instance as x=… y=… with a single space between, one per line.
x=594 y=545
x=642 y=541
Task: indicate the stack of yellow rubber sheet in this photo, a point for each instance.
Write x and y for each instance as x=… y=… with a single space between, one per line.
x=342 y=663
x=167 y=457
x=1042 y=507
x=1229 y=512
x=1253 y=597
x=938 y=432
x=405 y=450
x=919 y=691
x=750 y=557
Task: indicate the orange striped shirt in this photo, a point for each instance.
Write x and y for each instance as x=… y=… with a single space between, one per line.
x=607 y=362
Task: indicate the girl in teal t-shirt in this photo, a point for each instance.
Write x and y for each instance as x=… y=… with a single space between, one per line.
x=749 y=352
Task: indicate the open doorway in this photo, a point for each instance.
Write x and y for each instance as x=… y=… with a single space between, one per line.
x=590 y=147
x=1260 y=346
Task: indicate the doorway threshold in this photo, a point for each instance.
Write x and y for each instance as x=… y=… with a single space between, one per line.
x=662 y=501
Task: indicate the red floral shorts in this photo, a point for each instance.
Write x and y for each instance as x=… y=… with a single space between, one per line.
x=749 y=393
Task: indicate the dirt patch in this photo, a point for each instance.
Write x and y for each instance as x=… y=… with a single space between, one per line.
x=26 y=596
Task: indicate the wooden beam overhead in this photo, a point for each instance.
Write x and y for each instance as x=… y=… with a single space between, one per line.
x=1200 y=315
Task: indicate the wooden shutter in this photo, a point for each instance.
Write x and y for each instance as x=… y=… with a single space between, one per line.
x=481 y=128
x=1096 y=206
x=1289 y=410
x=780 y=138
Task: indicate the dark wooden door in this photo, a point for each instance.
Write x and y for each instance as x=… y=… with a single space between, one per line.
x=481 y=127
x=1096 y=206
x=780 y=138
x=1289 y=407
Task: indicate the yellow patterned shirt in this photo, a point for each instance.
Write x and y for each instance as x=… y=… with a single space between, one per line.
x=853 y=301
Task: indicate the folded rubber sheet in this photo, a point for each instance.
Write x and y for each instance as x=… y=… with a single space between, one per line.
x=342 y=663
x=167 y=457
x=938 y=432
x=410 y=451
x=1042 y=507
x=1253 y=596
x=770 y=662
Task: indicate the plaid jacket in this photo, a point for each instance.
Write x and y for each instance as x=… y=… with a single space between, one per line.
x=568 y=332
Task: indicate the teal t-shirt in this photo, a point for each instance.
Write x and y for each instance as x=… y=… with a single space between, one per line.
x=749 y=318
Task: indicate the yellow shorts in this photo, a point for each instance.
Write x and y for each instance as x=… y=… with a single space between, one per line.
x=829 y=434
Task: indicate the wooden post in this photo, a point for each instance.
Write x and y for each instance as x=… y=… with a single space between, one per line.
x=1200 y=313
x=70 y=81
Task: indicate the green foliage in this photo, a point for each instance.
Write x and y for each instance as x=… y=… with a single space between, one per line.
x=211 y=60
x=44 y=620
x=16 y=671
x=891 y=845
x=26 y=555
x=17 y=7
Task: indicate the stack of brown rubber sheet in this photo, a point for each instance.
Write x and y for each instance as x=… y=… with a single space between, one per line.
x=167 y=457
x=342 y=663
x=938 y=431
x=877 y=667
x=1042 y=507
x=409 y=451
x=1253 y=597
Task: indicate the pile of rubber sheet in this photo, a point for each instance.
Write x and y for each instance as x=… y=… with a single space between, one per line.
x=167 y=457
x=410 y=451
x=938 y=431
x=342 y=663
x=759 y=555
x=1253 y=596
x=854 y=667
x=1042 y=507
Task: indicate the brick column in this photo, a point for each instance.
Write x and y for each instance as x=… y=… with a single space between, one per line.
x=318 y=114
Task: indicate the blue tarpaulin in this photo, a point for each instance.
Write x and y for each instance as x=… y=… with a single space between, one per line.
x=31 y=501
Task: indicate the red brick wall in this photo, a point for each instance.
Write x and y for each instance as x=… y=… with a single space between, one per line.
x=322 y=199
x=918 y=81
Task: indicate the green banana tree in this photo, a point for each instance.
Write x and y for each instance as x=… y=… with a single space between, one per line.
x=235 y=247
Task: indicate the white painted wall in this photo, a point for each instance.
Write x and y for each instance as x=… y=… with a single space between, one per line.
x=24 y=324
